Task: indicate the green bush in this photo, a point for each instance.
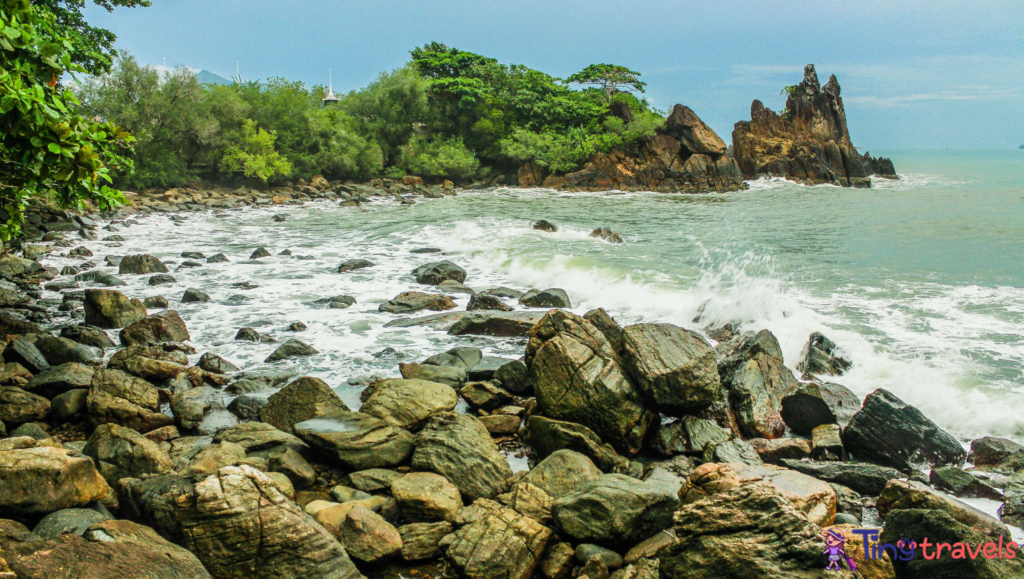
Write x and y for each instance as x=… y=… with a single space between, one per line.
x=254 y=154
x=445 y=158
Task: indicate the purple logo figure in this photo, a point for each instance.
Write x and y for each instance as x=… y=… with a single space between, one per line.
x=835 y=549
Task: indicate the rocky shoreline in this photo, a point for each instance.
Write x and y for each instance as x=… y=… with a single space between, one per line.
x=656 y=450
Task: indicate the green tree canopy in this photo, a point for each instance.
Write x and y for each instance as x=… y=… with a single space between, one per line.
x=254 y=154
x=91 y=47
x=609 y=78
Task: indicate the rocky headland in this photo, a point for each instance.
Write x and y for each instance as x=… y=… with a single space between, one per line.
x=127 y=449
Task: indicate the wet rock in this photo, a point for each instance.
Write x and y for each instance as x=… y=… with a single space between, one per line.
x=547 y=436
x=193 y=295
x=557 y=562
x=357 y=440
x=213 y=363
x=822 y=356
x=162 y=278
x=68 y=522
x=247 y=406
x=614 y=510
x=116 y=397
x=826 y=443
x=864 y=478
x=155 y=302
x=247 y=334
x=485 y=395
x=562 y=473
x=451 y=286
x=546 y=226
x=367 y=536
x=495 y=323
x=218 y=258
x=495 y=542
x=296 y=327
x=140 y=264
x=425 y=496
x=409 y=403
x=735 y=450
x=408 y=302
x=689 y=434
x=25 y=353
x=59 y=379
x=60 y=351
x=18 y=406
x=292 y=348
x=192 y=255
x=239 y=525
x=14 y=374
x=459 y=448
x=608 y=326
x=991 y=451
x=354 y=264
x=337 y=302
x=32 y=430
x=42 y=479
x=121 y=452
x=303 y=399
x=819 y=403
x=513 y=376
x=259 y=252
x=166 y=326
x=577 y=377
x=374 y=479
x=774 y=450
x=754 y=375
x=610 y=559
x=88 y=335
x=69 y=405
x=192 y=406
x=549 y=298
x=501 y=424
x=674 y=368
x=482 y=302
x=961 y=484
x=453 y=376
x=606 y=234
x=420 y=540
x=101 y=278
x=437 y=272
x=904 y=495
x=888 y=431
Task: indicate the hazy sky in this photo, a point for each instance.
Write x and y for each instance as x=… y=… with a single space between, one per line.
x=914 y=73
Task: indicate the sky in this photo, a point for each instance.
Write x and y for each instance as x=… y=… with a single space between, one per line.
x=915 y=74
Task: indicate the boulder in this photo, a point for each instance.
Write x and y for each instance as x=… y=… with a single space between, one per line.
x=121 y=452
x=116 y=397
x=15 y=374
x=88 y=335
x=18 y=407
x=733 y=450
x=826 y=443
x=530 y=501
x=161 y=278
x=357 y=440
x=68 y=522
x=607 y=235
x=549 y=298
x=25 y=353
x=259 y=252
x=409 y=403
x=218 y=258
x=494 y=323
x=59 y=351
x=425 y=496
x=547 y=436
x=214 y=457
x=910 y=495
x=991 y=451
x=453 y=376
x=258 y=437
x=292 y=348
x=213 y=363
x=354 y=264
x=563 y=472
x=459 y=448
x=193 y=295
x=239 y=525
x=57 y=380
x=756 y=379
x=578 y=377
x=420 y=540
x=961 y=484
x=337 y=302
x=774 y=450
x=301 y=400
x=367 y=536
x=409 y=302
x=673 y=367
x=167 y=326
x=513 y=376
x=437 y=272
x=692 y=133
x=493 y=541
x=819 y=403
x=71 y=404
x=891 y=432
x=191 y=406
x=374 y=479
x=106 y=549
x=868 y=479
x=615 y=511
x=545 y=225
x=140 y=264
x=822 y=356
x=43 y=479
x=484 y=302
x=156 y=302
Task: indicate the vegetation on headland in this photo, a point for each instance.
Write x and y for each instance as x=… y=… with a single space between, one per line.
x=447 y=114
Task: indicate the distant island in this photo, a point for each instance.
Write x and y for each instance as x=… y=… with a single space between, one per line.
x=207 y=77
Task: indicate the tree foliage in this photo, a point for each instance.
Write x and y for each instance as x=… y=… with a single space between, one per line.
x=91 y=47
x=46 y=147
x=254 y=154
x=609 y=78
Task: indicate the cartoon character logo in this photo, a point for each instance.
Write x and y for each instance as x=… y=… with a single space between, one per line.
x=835 y=550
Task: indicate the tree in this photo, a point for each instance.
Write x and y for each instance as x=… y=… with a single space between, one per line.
x=46 y=147
x=609 y=77
x=91 y=47
x=388 y=109
x=255 y=156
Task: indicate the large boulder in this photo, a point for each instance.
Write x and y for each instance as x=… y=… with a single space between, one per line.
x=822 y=356
x=111 y=309
x=425 y=496
x=409 y=403
x=258 y=437
x=756 y=379
x=22 y=351
x=495 y=542
x=891 y=432
x=239 y=525
x=549 y=298
x=357 y=440
x=291 y=349
x=367 y=536
x=747 y=531
x=121 y=452
x=167 y=326
x=42 y=479
x=57 y=380
x=302 y=399
x=563 y=472
x=141 y=264
x=459 y=448
x=692 y=133
x=73 y=521
x=116 y=397
x=59 y=351
x=548 y=436
x=578 y=377
x=903 y=495
x=409 y=302
x=437 y=272
x=615 y=510
x=18 y=406
x=868 y=479
x=105 y=550
x=675 y=368
x=991 y=451
x=819 y=403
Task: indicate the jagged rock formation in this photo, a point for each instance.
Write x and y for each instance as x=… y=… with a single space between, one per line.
x=685 y=156
x=808 y=143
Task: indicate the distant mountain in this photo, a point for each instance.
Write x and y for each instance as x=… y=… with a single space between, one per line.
x=207 y=77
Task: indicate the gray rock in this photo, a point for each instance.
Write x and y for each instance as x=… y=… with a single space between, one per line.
x=18 y=407
x=213 y=363
x=459 y=448
x=614 y=511
x=821 y=356
x=409 y=403
x=68 y=522
x=486 y=302
x=549 y=298
x=437 y=272
x=675 y=368
x=357 y=440
x=303 y=399
x=24 y=352
x=409 y=302
x=218 y=258
x=140 y=264
x=193 y=295
x=756 y=379
x=495 y=542
x=57 y=380
x=868 y=479
x=292 y=348
x=88 y=335
x=167 y=326
x=354 y=264
x=819 y=403
x=162 y=278
x=121 y=452
x=60 y=351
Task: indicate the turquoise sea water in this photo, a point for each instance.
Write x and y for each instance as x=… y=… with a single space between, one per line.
x=920 y=279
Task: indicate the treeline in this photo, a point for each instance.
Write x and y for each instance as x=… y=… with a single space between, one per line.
x=447 y=114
